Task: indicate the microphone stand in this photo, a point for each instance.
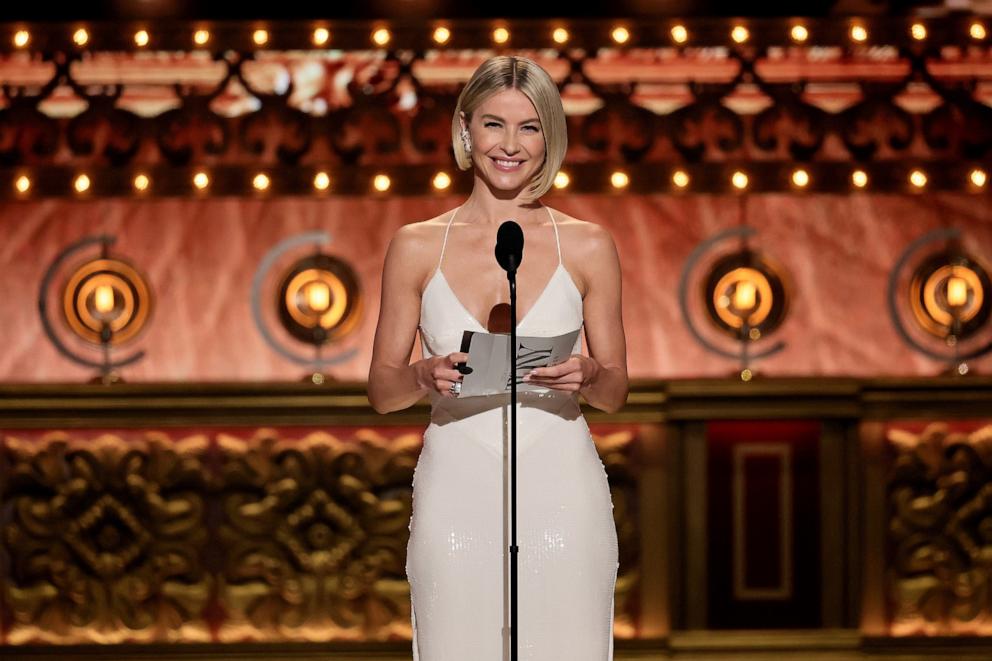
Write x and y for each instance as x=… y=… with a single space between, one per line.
x=511 y=276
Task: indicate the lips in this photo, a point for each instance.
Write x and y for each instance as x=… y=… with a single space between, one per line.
x=507 y=165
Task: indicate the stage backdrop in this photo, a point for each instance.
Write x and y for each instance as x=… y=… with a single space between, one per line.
x=200 y=257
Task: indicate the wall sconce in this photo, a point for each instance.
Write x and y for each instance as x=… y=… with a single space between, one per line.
x=318 y=303
x=744 y=294
x=947 y=297
x=105 y=302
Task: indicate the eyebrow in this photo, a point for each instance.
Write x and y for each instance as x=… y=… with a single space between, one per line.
x=526 y=121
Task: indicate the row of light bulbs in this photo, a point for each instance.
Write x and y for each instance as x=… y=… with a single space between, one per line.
x=739 y=33
x=442 y=180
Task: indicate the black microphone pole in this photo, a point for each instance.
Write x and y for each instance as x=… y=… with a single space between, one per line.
x=509 y=254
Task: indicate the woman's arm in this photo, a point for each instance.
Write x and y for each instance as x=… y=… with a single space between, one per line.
x=600 y=377
x=393 y=382
x=601 y=311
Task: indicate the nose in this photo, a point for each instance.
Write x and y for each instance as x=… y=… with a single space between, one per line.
x=509 y=143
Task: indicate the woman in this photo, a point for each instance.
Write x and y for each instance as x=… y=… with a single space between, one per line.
x=509 y=126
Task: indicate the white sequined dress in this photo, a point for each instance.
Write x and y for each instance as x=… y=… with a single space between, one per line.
x=458 y=562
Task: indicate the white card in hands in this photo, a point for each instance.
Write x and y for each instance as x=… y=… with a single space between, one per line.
x=489 y=358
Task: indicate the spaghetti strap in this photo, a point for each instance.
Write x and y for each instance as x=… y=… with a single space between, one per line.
x=445 y=241
x=557 y=240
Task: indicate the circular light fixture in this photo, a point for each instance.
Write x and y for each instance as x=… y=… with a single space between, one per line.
x=977 y=31
x=800 y=178
x=381 y=37
x=978 y=178
x=799 y=33
x=620 y=34
x=918 y=31
x=680 y=178
x=859 y=178
x=22 y=184
x=141 y=38
x=918 y=178
x=560 y=35
x=501 y=35
x=680 y=34
x=740 y=34
x=141 y=183
x=80 y=37
x=201 y=180
x=201 y=37
x=22 y=38
x=321 y=36
x=859 y=33
x=260 y=37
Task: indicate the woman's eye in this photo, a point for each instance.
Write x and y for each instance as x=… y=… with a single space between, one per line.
x=534 y=128
x=488 y=124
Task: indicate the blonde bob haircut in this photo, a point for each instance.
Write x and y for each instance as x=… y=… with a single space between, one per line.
x=505 y=72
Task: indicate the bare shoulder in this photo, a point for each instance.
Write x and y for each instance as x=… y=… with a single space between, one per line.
x=415 y=245
x=583 y=239
x=588 y=250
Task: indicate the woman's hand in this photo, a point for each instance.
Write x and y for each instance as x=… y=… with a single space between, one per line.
x=575 y=373
x=438 y=373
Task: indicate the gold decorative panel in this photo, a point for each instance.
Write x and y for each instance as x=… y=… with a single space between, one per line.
x=940 y=530
x=231 y=535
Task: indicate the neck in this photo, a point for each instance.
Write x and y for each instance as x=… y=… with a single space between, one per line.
x=486 y=206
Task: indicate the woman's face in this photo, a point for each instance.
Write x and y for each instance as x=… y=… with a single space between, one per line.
x=507 y=140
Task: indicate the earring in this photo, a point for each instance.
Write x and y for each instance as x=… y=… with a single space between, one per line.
x=466 y=142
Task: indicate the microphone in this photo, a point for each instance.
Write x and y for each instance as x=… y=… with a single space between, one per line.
x=509 y=246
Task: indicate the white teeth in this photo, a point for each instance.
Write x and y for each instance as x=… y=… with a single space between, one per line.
x=507 y=164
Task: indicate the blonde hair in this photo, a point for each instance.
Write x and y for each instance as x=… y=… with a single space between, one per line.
x=505 y=72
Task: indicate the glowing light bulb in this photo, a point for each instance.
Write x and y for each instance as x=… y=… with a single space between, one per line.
x=918 y=31
x=978 y=178
x=442 y=35
x=22 y=184
x=381 y=183
x=501 y=35
x=977 y=31
x=800 y=178
x=201 y=37
x=680 y=178
x=260 y=37
x=80 y=37
x=739 y=180
x=799 y=33
x=620 y=34
x=321 y=181
x=859 y=178
x=201 y=180
x=141 y=182
x=103 y=298
x=562 y=180
x=679 y=34
x=560 y=35
x=321 y=36
x=740 y=34
x=957 y=291
x=318 y=296
x=381 y=37
x=918 y=178
x=619 y=179
x=261 y=181
x=441 y=181
x=859 y=33
x=21 y=38
x=81 y=183
x=745 y=294
x=141 y=38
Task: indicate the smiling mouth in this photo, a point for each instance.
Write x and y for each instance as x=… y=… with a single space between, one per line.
x=503 y=164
